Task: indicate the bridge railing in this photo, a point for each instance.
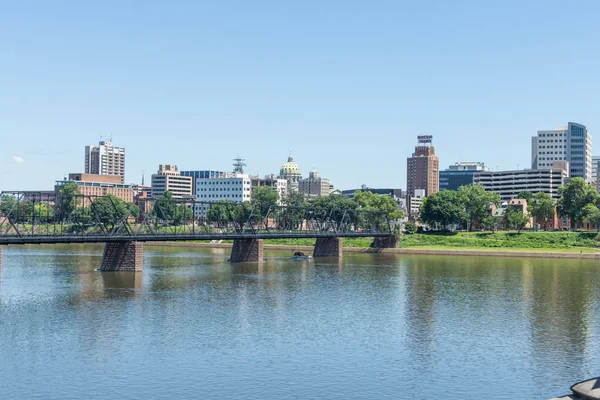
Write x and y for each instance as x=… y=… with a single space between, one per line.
x=26 y=214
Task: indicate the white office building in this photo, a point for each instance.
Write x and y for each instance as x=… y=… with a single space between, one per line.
x=414 y=202
x=105 y=159
x=236 y=188
x=570 y=143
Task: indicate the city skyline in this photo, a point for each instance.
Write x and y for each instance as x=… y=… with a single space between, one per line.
x=305 y=174
x=196 y=84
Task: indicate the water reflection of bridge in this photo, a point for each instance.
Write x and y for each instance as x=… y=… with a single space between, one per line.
x=30 y=218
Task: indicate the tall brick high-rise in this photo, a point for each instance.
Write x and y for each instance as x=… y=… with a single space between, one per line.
x=422 y=169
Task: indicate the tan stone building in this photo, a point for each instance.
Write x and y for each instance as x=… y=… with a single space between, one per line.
x=169 y=178
x=98 y=185
x=423 y=168
x=314 y=185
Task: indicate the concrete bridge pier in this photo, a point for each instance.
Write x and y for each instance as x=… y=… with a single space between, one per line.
x=328 y=247
x=123 y=256
x=247 y=250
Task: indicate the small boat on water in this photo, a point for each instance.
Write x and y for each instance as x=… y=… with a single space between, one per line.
x=298 y=255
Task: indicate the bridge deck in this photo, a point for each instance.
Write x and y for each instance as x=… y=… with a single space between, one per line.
x=57 y=239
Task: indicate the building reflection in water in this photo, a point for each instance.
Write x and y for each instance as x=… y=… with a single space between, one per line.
x=560 y=316
x=420 y=314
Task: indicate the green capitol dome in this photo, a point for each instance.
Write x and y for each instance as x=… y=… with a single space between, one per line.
x=290 y=168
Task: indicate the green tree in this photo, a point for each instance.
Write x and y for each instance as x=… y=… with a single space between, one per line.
x=443 y=208
x=66 y=201
x=592 y=215
x=382 y=203
x=515 y=218
x=542 y=207
x=575 y=195
x=292 y=215
x=264 y=200
x=16 y=210
x=82 y=216
x=477 y=202
x=491 y=222
x=182 y=214
x=335 y=206
x=367 y=200
x=111 y=210
x=410 y=227
x=8 y=206
x=525 y=195
x=221 y=212
x=165 y=206
x=43 y=212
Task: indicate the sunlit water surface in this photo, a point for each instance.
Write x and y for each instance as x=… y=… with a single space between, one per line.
x=371 y=326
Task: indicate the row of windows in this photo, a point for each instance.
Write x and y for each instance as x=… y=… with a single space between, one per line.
x=552 y=134
x=224 y=195
x=227 y=182
x=247 y=189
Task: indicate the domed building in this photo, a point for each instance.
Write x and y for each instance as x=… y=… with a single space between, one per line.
x=290 y=171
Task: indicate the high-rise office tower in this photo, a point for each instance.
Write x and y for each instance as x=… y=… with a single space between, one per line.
x=105 y=159
x=423 y=168
x=570 y=143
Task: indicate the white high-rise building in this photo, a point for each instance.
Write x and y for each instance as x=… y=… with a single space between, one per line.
x=570 y=143
x=236 y=188
x=105 y=159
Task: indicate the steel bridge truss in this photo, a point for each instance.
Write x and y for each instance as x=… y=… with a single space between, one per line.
x=27 y=217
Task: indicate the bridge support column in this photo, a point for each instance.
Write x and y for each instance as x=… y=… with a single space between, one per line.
x=385 y=242
x=247 y=250
x=328 y=247
x=123 y=256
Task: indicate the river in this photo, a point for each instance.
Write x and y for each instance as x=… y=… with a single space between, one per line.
x=370 y=326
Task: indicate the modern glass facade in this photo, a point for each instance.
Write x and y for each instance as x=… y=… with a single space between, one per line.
x=452 y=180
x=206 y=174
x=571 y=143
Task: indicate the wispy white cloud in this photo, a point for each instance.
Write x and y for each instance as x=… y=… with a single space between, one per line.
x=18 y=159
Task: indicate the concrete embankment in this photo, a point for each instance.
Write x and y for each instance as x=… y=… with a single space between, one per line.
x=416 y=251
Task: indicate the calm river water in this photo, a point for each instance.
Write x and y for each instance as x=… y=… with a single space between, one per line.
x=371 y=326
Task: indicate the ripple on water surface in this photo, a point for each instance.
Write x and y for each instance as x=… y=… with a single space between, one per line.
x=369 y=326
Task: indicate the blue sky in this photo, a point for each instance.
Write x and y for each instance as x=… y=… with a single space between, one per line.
x=347 y=86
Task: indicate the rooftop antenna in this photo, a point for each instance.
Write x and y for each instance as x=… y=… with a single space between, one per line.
x=238 y=165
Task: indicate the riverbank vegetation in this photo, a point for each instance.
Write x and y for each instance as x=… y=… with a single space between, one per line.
x=523 y=240
x=471 y=207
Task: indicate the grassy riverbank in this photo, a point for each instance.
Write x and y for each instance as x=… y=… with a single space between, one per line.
x=497 y=241
x=561 y=241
